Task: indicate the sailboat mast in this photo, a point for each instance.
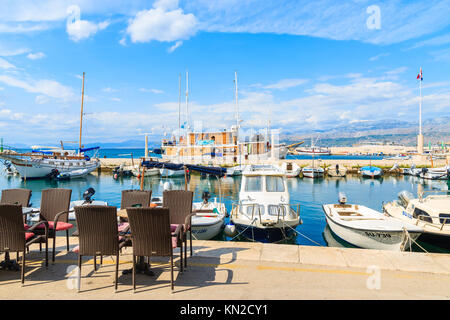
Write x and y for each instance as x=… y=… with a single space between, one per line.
x=420 y=103
x=81 y=114
x=187 y=99
x=237 y=118
x=179 y=107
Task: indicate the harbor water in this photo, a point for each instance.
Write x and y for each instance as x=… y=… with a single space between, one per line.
x=310 y=194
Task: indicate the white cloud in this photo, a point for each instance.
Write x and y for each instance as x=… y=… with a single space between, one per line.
x=175 y=46
x=81 y=29
x=156 y=91
x=286 y=84
x=36 y=56
x=161 y=25
x=5 y=64
x=377 y=57
x=108 y=90
x=115 y=99
x=12 y=52
x=44 y=87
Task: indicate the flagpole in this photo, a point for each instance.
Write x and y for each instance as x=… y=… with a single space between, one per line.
x=420 y=103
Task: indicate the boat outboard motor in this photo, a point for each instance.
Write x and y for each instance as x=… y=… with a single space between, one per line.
x=342 y=198
x=53 y=174
x=87 y=195
x=206 y=196
x=337 y=169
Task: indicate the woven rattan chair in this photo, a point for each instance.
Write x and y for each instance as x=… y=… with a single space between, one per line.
x=133 y=198
x=179 y=203
x=97 y=234
x=14 y=238
x=55 y=205
x=151 y=236
x=17 y=196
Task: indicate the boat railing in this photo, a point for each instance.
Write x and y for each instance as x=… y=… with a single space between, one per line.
x=281 y=210
x=442 y=221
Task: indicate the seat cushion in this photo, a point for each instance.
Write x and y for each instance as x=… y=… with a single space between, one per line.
x=122 y=226
x=59 y=227
x=28 y=235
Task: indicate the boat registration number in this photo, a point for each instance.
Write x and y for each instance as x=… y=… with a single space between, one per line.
x=377 y=234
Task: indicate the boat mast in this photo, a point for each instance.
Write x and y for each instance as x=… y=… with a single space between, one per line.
x=237 y=117
x=187 y=101
x=179 y=108
x=81 y=114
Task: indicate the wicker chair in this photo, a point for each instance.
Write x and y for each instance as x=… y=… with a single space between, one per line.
x=131 y=198
x=97 y=234
x=151 y=236
x=17 y=196
x=14 y=238
x=179 y=203
x=55 y=205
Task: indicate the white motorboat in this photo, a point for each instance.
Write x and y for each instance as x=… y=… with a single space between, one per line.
x=369 y=229
x=149 y=172
x=314 y=173
x=337 y=171
x=169 y=173
x=431 y=213
x=313 y=150
x=264 y=213
x=442 y=173
x=291 y=169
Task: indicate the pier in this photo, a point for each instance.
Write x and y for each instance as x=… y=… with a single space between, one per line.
x=242 y=270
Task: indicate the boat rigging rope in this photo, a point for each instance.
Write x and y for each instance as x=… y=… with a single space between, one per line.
x=301 y=234
x=408 y=238
x=254 y=220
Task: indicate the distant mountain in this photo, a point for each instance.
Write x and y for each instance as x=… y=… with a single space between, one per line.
x=398 y=131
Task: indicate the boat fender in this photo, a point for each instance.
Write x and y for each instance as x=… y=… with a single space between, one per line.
x=230 y=230
x=115 y=176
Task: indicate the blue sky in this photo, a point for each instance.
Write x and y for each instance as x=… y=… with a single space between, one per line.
x=305 y=65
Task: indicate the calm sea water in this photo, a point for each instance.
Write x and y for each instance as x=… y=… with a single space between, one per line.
x=310 y=194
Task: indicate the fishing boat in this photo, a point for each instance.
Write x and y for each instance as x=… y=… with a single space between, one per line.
x=442 y=173
x=168 y=173
x=44 y=162
x=314 y=173
x=371 y=172
x=313 y=150
x=431 y=213
x=264 y=212
x=369 y=229
x=291 y=169
x=137 y=171
x=412 y=171
x=337 y=171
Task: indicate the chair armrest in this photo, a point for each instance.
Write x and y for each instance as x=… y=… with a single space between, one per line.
x=57 y=217
x=46 y=227
x=178 y=231
x=188 y=220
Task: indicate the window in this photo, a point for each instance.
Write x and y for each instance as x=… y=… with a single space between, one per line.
x=252 y=209
x=444 y=218
x=274 y=184
x=273 y=210
x=253 y=184
x=422 y=215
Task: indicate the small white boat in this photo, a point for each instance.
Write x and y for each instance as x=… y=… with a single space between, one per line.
x=235 y=171
x=337 y=171
x=435 y=173
x=291 y=169
x=171 y=173
x=264 y=212
x=149 y=172
x=77 y=203
x=369 y=229
x=314 y=173
x=432 y=213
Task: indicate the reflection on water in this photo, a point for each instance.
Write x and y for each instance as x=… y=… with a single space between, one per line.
x=309 y=193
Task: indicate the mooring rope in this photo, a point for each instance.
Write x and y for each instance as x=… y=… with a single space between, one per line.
x=408 y=238
x=301 y=234
x=254 y=220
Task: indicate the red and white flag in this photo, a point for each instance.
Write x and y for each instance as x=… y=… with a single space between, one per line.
x=419 y=76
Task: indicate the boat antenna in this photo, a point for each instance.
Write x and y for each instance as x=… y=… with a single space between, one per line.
x=81 y=114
